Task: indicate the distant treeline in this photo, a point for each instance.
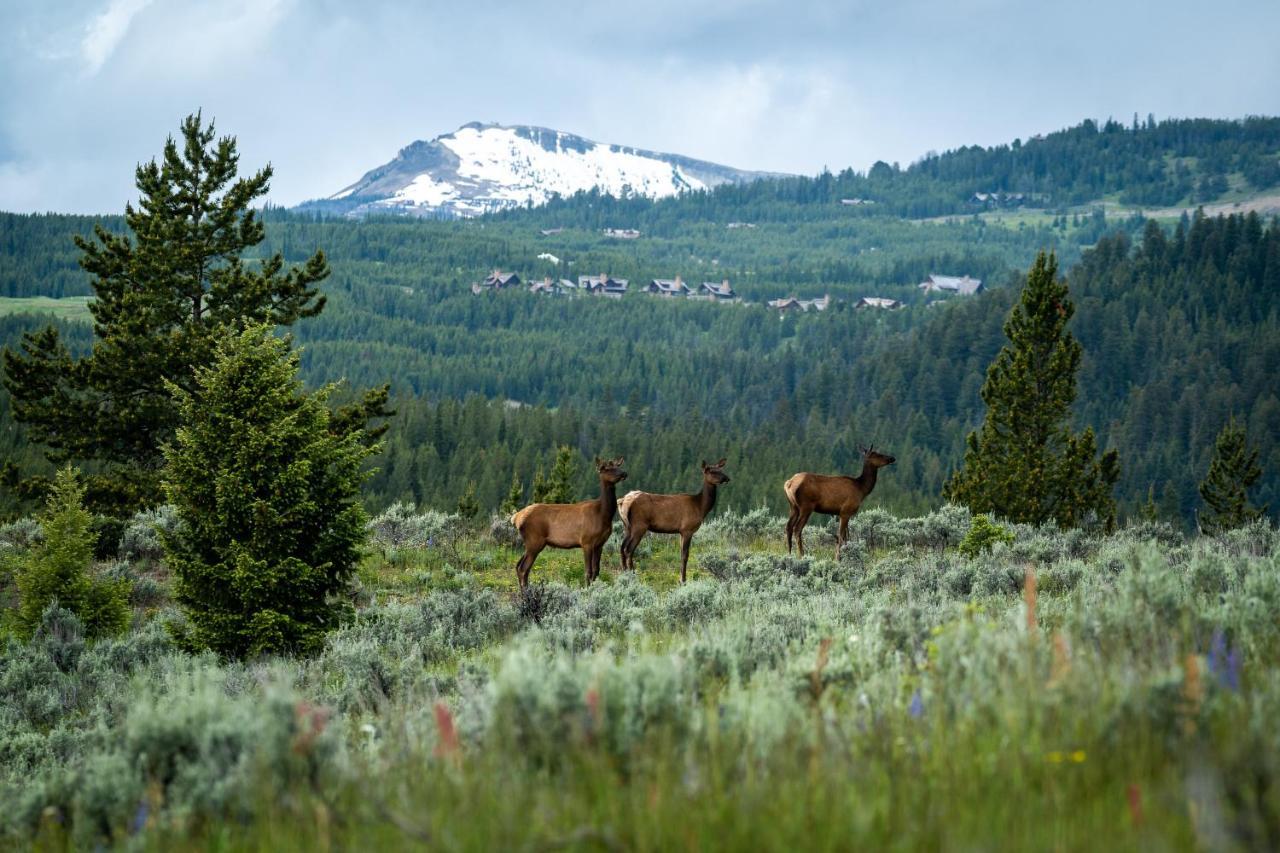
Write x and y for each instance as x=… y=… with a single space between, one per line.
x=1178 y=161
x=1179 y=328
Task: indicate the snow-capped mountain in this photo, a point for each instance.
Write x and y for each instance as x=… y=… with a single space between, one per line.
x=486 y=167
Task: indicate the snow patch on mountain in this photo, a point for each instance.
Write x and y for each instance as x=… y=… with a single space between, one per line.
x=484 y=167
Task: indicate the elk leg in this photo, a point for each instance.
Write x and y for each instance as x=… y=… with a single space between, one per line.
x=586 y=559
x=800 y=525
x=525 y=566
x=596 y=556
x=791 y=524
x=637 y=533
x=843 y=536
x=684 y=555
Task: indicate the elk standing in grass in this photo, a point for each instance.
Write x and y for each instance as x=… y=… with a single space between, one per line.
x=584 y=525
x=839 y=495
x=642 y=512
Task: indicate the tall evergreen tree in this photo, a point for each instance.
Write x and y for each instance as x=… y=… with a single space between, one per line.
x=269 y=497
x=163 y=298
x=1024 y=463
x=1225 y=488
x=563 y=476
x=515 y=496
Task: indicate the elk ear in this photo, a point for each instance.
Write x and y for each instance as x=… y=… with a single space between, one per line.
x=618 y=462
x=599 y=464
x=705 y=466
x=720 y=464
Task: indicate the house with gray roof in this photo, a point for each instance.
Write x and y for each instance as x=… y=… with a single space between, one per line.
x=948 y=284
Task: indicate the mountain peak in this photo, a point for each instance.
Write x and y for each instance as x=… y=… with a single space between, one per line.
x=482 y=167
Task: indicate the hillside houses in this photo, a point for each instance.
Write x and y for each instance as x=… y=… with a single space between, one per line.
x=877 y=302
x=497 y=280
x=622 y=233
x=790 y=304
x=721 y=292
x=949 y=284
x=668 y=287
x=602 y=285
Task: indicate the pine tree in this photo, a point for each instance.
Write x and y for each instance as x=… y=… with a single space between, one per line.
x=541 y=488
x=515 y=497
x=57 y=569
x=563 y=476
x=1024 y=464
x=468 y=506
x=1232 y=471
x=269 y=497
x=163 y=297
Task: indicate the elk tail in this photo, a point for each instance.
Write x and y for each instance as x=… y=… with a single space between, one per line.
x=624 y=508
x=790 y=488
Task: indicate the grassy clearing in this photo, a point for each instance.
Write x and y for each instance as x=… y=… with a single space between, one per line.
x=904 y=696
x=66 y=308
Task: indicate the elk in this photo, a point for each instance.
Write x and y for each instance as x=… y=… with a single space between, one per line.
x=584 y=525
x=642 y=512
x=838 y=495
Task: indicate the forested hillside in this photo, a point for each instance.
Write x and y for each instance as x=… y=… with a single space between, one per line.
x=1176 y=161
x=1177 y=321
x=1179 y=329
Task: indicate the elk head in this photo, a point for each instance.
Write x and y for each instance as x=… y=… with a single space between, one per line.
x=875 y=458
x=714 y=474
x=610 y=470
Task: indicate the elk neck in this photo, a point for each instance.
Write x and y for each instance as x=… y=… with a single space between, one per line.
x=867 y=479
x=707 y=498
x=608 y=499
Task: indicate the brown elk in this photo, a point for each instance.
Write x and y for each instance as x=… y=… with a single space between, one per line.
x=642 y=512
x=584 y=525
x=838 y=495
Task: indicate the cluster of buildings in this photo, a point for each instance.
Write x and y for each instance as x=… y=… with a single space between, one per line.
x=606 y=285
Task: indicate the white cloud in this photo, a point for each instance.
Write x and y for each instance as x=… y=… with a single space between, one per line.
x=105 y=32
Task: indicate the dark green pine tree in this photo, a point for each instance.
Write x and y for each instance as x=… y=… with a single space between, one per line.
x=563 y=476
x=515 y=497
x=269 y=497
x=163 y=297
x=541 y=488
x=1024 y=464
x=468 y=507
x=1225 y=488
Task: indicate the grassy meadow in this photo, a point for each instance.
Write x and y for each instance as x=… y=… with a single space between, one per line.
x=64 y=308
x=1065 y=690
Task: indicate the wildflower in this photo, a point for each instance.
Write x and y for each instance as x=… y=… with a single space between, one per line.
x=449 y=745
x=1078 y=756
x=139 y=821
x=310 y=720
x=853 y=638
x=369 y=730
x=1223 y=663
x=1055 y=757
x=916 y=708
x=1135 y=804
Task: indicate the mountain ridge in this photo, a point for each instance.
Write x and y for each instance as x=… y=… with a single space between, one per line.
x=485 y=167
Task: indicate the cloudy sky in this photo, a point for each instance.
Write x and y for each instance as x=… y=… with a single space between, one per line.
x=325 y=90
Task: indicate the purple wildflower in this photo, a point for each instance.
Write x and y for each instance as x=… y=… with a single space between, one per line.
x=1224 y=662
x=140 y=818
x=916 y=708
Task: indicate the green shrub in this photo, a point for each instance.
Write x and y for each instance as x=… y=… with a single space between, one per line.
x=56 y=569
x=268 y=491
x=983 y=534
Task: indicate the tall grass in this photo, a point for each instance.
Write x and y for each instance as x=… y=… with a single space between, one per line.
x=904 y=696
